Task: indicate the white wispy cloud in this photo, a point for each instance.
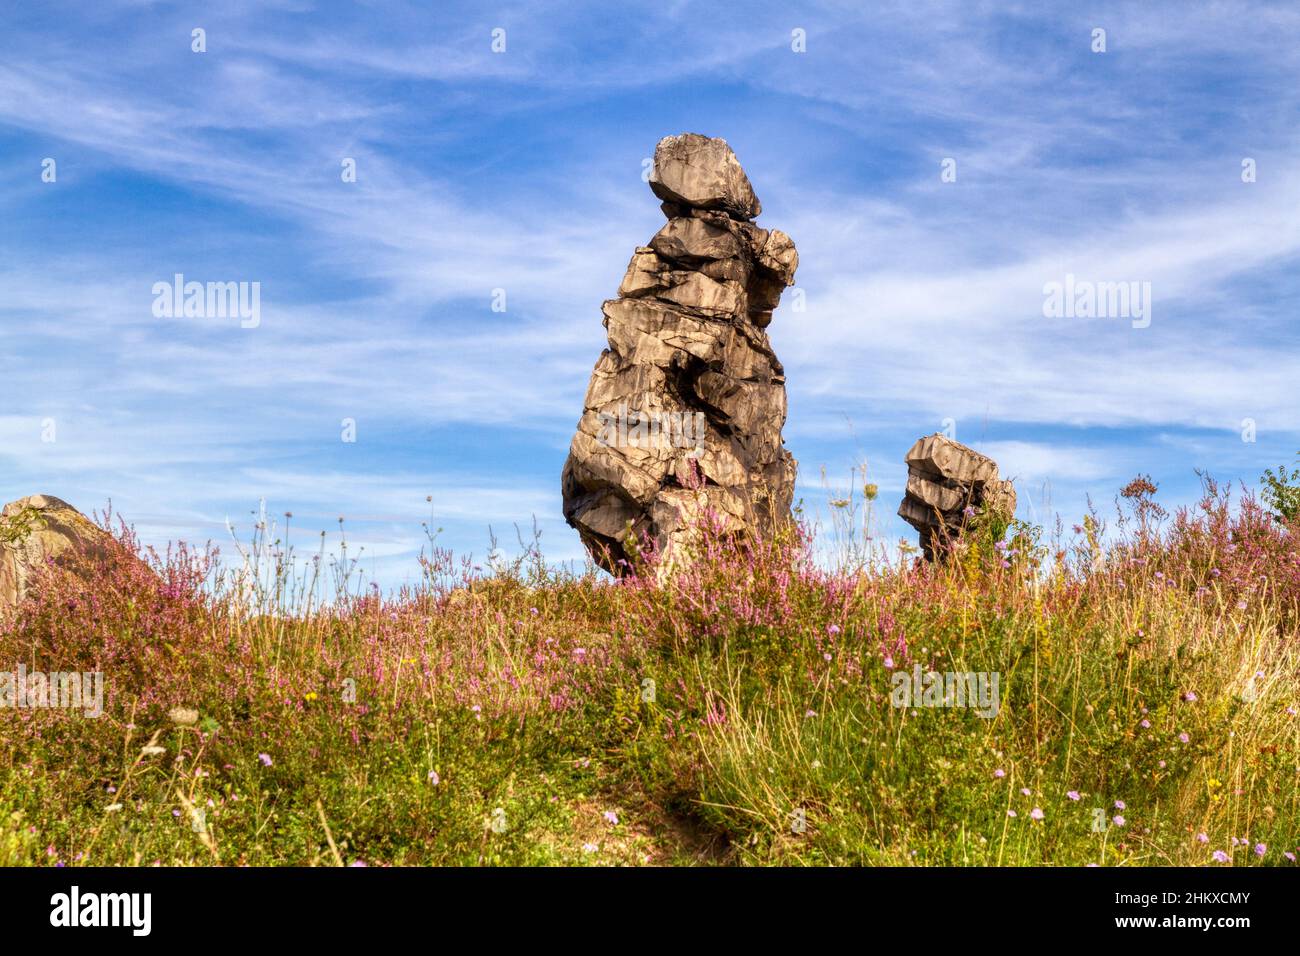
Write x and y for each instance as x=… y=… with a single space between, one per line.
x=520 y=171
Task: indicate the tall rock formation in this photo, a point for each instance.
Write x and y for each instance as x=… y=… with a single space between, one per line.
x=685 y=407
x=947 y=485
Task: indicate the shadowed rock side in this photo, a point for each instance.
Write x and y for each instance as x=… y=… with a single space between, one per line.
x=944 y=479
x=685 y=407
x=34 y=530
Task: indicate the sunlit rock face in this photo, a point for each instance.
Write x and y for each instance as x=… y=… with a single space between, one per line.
x=33 y=531
x=947 y=485
x=685 y=407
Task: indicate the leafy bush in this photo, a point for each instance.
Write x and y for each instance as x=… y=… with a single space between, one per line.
x=1281 y=492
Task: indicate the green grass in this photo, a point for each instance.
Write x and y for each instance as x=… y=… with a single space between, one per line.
x=738 y=714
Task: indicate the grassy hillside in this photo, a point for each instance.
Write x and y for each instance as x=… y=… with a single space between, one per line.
x=1149 y=680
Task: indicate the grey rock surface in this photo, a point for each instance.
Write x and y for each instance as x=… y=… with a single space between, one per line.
x=685 y=407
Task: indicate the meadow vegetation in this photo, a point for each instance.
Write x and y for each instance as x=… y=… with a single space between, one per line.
x=739 y=712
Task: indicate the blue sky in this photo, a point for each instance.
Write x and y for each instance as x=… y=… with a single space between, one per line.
x=521 y=170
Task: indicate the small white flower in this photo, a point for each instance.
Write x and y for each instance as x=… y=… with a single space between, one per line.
x=183 y=716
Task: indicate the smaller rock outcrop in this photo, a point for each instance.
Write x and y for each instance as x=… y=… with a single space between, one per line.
x=948 y=484
x=34 y=530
